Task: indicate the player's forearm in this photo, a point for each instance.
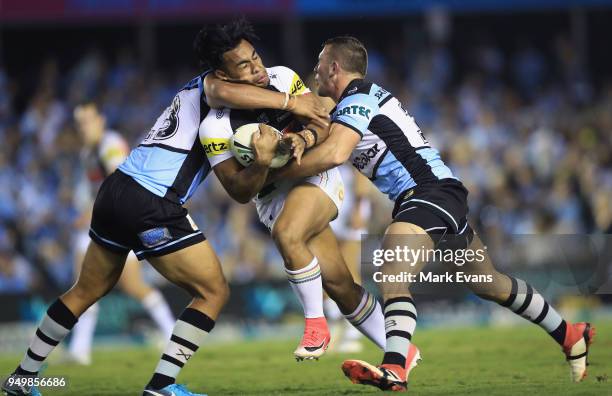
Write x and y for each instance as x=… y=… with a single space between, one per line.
x=248 y=182
x=314 y=135
x=317 y=160
x=242 y=96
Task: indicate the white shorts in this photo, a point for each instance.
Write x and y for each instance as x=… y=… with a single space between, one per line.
x=269 y=206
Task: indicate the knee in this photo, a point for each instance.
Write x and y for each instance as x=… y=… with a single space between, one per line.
x=223 y=293
x=285 y=237
x=217 y=292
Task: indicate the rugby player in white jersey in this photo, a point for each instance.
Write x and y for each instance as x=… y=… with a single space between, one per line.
x=139 y=208
x=297 y=213
x=372 y=130
x=103 y=151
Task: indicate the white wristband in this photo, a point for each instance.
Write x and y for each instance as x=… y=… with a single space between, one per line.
x=286 y=102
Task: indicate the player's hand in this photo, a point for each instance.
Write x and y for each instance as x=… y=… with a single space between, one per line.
x=297 y=144
x=264 y=144
x=308 y=106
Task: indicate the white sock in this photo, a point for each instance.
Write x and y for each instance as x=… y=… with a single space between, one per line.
x=158 y=309
x=368 y=318
x=307 y=286
x=352 y=333
x=83 y=332
x=332 y=312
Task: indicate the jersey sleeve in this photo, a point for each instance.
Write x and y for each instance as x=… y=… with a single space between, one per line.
x=215 y=134
x=356 y=112
x=291 y=81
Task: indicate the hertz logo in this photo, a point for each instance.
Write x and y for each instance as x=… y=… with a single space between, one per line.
x=297 y=86
x=215 y=146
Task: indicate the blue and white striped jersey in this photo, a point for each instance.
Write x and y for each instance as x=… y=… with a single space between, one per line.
x=171 y=162
x=392 y=152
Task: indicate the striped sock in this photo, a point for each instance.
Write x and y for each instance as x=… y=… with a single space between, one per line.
x=368 y=319
x=53 y=328
x=188 y=334
x=307 y=286
x=400 y=322
x=524 y=300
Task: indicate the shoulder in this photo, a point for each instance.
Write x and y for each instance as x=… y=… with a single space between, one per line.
x=282 y=72
x=195 y=83
x=286 y=79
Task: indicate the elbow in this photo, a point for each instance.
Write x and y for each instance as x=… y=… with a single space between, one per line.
x=241 y=197
x=339 y=158
x=215 y=92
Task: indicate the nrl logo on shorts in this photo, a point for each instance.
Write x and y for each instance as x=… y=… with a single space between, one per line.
x=155 y=237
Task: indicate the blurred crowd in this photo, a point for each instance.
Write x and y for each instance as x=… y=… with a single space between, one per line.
x=526 y=130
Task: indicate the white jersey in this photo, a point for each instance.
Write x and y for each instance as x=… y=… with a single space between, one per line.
x=102 y=159
x=98 y=162
x=218 y=126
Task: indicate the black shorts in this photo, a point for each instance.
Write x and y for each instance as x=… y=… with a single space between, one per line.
x=126 y=216
x=440 y=209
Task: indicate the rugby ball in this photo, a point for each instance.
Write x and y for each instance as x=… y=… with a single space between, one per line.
x=240 y=145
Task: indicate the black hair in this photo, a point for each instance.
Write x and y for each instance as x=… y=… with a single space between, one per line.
x=214 y=40
x=350 y=53
x=93 y=102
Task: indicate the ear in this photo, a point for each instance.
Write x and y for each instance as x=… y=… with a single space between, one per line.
x=221 y=75
x=334 y=68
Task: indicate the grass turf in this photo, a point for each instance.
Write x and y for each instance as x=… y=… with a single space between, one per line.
x=469 y=361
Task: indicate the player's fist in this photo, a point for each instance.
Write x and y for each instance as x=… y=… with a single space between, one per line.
x=309 y=106
x=264 y=144
x=297 y=145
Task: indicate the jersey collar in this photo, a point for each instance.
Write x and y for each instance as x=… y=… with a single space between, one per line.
x=351 y=88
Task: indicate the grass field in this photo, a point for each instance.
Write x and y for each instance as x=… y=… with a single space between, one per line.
x=477 y=361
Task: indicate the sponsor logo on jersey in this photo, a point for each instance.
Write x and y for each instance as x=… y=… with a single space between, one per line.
x=215 y=146
x=355 y=110
x=220 y=114
x=155 y=237
x=363 y=159
x=297 y=86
